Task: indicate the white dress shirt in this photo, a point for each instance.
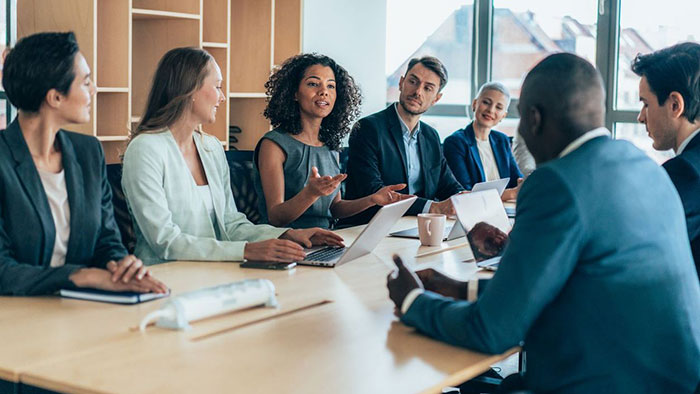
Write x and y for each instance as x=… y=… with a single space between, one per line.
x=57 y=195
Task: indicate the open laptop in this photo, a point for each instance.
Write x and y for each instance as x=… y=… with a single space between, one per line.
x=498 y=184
x=483 y=214
x=453 y=232
x=369 y=238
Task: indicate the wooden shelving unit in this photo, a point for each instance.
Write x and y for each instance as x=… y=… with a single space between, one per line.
x=123 y=40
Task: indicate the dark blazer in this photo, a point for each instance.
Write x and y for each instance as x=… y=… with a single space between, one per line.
x=27 y=230
x=462 y=155
x=600 y=286
x=684 y=171
x=377 y=157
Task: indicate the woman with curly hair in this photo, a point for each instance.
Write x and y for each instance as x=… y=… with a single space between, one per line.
x=312 y=102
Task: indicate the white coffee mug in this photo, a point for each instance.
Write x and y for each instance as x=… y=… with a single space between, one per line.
x=431 y=228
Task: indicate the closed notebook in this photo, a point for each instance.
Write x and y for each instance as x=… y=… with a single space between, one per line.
x=114 y=297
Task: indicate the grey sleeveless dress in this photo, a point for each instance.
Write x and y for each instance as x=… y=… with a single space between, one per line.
x=297 y=169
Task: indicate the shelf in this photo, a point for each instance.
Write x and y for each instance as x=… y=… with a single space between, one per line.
x=247 y=95
x=247 y=113
x=138 y=13
x=251 y=35
x=215 y=45
x=113 y=20
x=287 y=36
x=182 y=6
x=215 y=17
x=112 y=137
x=104 y=89
x=113 y=114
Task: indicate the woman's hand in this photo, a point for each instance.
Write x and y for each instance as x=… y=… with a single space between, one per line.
x=388 y=194
x=319 y=186
x=98 y=278
x=127 y=268
x=277 y=250
x=314 y=236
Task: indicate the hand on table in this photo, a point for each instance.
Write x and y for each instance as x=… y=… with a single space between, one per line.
x=127 y=268
x=313 y=237
x=276 y=250
x=400 y=282
x=98 y=278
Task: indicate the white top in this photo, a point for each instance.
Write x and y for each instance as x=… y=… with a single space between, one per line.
x=205 y=194
x=488 y=161
x=686 y=141
x=57 y=195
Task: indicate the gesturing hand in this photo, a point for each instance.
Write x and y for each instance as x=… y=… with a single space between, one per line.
x=388 y=194
x=313 y=236
x=444 y=207
x=401 y=282
x=325 y=185
x=442 y=284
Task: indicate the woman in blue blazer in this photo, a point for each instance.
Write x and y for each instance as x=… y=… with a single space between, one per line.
x=57 y=228
x=477 y=153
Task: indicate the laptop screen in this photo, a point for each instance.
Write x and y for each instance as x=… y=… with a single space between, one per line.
x=483 y=216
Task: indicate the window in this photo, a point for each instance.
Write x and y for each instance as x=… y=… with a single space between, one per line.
x=526 y=32
x=8 y=28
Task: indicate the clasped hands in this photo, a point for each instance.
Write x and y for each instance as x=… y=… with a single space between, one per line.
x=127 y=274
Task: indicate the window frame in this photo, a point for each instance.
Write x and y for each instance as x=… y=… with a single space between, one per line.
x=10 y=39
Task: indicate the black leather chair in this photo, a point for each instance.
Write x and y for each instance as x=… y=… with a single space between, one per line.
x=242 y=171
x=121 y=211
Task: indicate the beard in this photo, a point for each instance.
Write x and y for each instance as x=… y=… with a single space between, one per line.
x=415 y=113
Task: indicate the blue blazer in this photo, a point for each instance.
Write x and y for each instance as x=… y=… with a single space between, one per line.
x=684 y=171
x=601 y=287
x=27 y=231
x=377 y=157
x=463 y=157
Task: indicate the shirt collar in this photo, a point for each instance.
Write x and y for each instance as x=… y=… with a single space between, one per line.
x=686 y=141
x=404 y=127
x=587 y=136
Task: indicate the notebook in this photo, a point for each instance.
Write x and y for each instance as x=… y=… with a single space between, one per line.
x=114 y=297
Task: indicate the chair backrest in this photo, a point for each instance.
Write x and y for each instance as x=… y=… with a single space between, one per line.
x=242 y=170
x=121 y=211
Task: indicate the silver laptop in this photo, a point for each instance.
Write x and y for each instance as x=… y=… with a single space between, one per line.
x=453 y=232
x=483 y=214
x=369 y=238
x=498 y=184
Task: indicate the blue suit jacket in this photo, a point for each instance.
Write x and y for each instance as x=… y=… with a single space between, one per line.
x=463 y=157
x=601 y=287
x=684 y=171
x=27 y=230
x=377 y=157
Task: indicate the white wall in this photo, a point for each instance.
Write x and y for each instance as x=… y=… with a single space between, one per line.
x=353 y=33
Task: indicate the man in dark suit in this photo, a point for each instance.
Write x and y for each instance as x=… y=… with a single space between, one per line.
x=393 y=146
x=670 y=93
x=599 y=288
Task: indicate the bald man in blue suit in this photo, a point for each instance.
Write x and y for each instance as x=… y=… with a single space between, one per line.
x=597 y=286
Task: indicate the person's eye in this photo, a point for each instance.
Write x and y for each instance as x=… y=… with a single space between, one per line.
x=312 y=84
x=331 y=86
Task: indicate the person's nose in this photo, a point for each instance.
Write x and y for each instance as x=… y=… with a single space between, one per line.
x=641 y=118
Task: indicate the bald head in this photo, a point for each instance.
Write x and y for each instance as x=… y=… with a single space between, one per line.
x=562 y=98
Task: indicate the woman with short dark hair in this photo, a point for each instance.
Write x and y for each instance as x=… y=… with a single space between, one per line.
x=57 y=228
x=312 y=102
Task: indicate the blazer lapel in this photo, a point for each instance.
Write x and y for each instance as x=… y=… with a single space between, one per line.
x=501 y=161
x=394 y=129
x=31 y=182
x=75 y=187
x=423 y=155
x=471 y=141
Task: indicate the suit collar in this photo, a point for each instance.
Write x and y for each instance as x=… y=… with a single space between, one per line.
x=75 y=187
x=692 y=141
x=394 y=129
x=474 y=149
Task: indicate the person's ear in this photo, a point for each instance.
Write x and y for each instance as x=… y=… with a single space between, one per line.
x=534 y=121
x=54 y=98
x=676 y=104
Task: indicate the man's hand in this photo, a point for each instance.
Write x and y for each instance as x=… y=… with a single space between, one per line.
x=98 y=278
x=319 y=186
x=486 y=240
x=512 y=194
x=444 y=207
x=439 y=283
x=313 y=236
x=127 y=268
x=388 y=194
x=277 y=250
x=400 y=283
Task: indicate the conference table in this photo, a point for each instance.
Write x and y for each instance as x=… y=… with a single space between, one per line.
x=333 y=331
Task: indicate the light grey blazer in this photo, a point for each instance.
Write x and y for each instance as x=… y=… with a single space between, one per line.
x=170 y=219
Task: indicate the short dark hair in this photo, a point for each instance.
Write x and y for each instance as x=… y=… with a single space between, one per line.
x=284 y=113
x=433 y=64
x=37 y=64
x=673 y=69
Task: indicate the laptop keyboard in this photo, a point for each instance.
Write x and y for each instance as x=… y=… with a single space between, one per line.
x=326 y=254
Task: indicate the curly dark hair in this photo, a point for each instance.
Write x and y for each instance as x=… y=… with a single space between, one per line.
x=284 y=113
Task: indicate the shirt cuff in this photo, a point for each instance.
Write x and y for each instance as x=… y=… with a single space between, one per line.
x=472 y=290
x=412 y=295
x=426 y=207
